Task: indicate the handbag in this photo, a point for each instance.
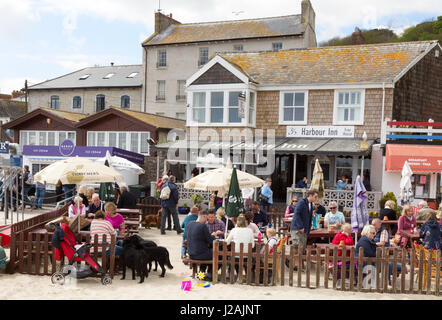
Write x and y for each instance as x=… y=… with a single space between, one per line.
x=262 y=197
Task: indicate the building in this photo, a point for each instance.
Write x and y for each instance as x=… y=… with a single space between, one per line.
x=177 y=50
x=9 y=111
x=318 y=101
x=90 y=90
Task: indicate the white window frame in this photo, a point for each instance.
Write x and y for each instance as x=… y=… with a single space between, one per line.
x=253 y=122
x=336 y=106
x=128 y=139
x=160 y=58
x=46 y=142
x=281 y=107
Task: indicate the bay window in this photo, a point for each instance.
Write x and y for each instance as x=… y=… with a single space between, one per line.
x=217 y=107
x=234 y=107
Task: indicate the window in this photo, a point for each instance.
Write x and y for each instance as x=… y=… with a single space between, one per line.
x=51 y=138
x=234 y=107
x=132 y=141
x=42 y=138
x=55 y=102
x=344 y=167
x=349 y=107
x=84 y=77
x=252 y=108
x=420 y=185
x=108 y=76
x=101 y=139
x=76 y=102
x=161 y=90
x=61 y=136
x=217 y=107
x=204 y=56
x=181 y=115
x=199 y=107
x=113 y=139
x=162 y=59
x=100 y=102
x=144 y=145
x=91 y=136
x=238 y=47
x=181 y=90
x=46 y=138
x=125 y=102
x=122 y=140
x=132 y=75
x=294 y=108
x=277 y=46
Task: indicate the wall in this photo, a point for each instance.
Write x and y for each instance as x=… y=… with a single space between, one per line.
x=42 y=98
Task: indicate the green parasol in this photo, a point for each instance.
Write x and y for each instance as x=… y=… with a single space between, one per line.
x=235 y=205
x=106 y=189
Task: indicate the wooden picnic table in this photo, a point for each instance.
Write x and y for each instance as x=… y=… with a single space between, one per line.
x=130 y=214
x=412 y=236
x=393 y=222
x=132 y=226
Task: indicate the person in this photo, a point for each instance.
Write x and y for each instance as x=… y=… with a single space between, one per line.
x=382 y=237
x=221 y=215
x=68 y=190
x=424 y=211
x=344 y=237
x=89 y=193
x=40 y=191
x=342 y=184
x=215 y=225
x=247 y=194
x=95 y=205
x=77 y=207
x=241 y=234
x=251 y=225
x=195 y=172
x=320 y=209
x=59 y=191
x=272 y=239
x=318 y=213
x=388 y=211
x=193 y=216
x=217 y=201
x=116 y=219
x=260 y=218
x=266 y=195
x=334 y=217
x=367 y=243
x=406 y=223
x=126 y=200
x=100 y=226
x=302 y=184
x=161 y=181
x=302 y=221
x=431 y=232
x=199 y=241
x=82 y=190
x=169 y=206
x=290 y=210
x=27 y=185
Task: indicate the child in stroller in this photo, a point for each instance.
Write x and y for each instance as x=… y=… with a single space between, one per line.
x=64 y=244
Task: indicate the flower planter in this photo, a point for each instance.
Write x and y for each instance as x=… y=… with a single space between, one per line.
x=183 y=210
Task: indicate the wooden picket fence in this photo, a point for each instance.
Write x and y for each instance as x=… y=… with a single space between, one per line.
x=355 y=274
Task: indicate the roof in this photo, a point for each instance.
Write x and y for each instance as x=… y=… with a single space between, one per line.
x=155 y=120
x=374 y=63
x=71 y=116
x=95 y=79
x=12 y=109
x=228 y=30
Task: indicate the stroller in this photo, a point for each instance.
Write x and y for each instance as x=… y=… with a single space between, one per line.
x=64 y=244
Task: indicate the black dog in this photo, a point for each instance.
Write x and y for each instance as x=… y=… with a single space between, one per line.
x=134 y=258
x=139 y=243
x=160 y=255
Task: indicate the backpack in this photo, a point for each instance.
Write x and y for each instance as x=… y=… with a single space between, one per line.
x=165 y=192
x=28 y=178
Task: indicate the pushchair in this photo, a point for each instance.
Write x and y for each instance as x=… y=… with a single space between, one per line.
x=64 y=244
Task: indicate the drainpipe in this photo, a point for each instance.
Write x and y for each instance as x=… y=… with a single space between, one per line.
x=145 y=79
x=383 y=103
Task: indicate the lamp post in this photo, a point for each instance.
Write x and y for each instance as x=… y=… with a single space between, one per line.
x=363 y=147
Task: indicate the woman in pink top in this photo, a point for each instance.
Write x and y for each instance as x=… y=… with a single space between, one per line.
x=406 y=222
x=114 y=218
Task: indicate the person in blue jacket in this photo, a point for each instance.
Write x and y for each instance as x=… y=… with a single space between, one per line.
x=267 y=200
x=169 y=206
x=431 y=232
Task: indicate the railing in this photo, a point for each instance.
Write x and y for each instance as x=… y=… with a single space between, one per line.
x=10 y=178
x=324 y=268
x=395 y=130
x=343 y=198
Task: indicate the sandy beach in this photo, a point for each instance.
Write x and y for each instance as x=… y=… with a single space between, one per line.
x=18 y=286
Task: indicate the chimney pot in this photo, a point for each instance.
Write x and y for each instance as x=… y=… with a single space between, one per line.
x=112 y=64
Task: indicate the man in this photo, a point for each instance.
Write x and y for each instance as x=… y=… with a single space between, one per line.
x=215 y=225
x=382 y=237
x=320 y=209
x=169 y=205
x=423 y=210
x=260 y=218
x=302 y=184
x=27 y=185
x=161 y=182
x=267 y=195
x=342 y=184
x=126 y=200
x=193 y=216
x=334 y=218
x=195 y=172
x=95 y=205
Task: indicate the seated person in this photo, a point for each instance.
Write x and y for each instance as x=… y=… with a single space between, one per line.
x=189 y=218
x=100 y=227
x=320 y=209
x=302 y=184
x=382 y=237
x=116 y=219
x=388 y=211
x=95 y=205
x=214 y=225
x=126 y=200
x=406 y=223
x=260 y=218
x=221 y=215
x=422 y=213
x=272 y=240
x=344 y=237
x=334 y=218
x=251 y=225
x=290 y=211
x=77 y=207
x=431 y=232
x=342 y=184
x=82 y=190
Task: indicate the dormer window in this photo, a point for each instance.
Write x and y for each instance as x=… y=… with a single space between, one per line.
x=84 y=77
x=110 y=75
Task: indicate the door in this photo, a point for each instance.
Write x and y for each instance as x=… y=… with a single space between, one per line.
x=282 y=177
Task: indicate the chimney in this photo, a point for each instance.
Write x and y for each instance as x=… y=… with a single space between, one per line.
x=112 y=64
x=162 y=22
x=308 y=15
x=357 y=37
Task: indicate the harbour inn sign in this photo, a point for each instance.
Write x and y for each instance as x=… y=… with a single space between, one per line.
x=321 y=132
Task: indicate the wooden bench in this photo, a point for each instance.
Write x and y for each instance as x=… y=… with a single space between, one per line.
x=193 y=264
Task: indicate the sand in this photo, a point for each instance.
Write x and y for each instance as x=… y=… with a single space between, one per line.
x=18 y=286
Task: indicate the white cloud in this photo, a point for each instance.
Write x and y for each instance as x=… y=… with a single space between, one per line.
x=7 y=85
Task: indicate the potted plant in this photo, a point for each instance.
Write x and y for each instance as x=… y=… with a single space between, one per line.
x=196 y=198
x=184 y=209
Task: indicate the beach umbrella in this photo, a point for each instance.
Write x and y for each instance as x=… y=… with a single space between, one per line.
x=119 y=163
x=106 y=189
x=318 y=180
x=406 y=194
x=359 y=213
x=219 y=180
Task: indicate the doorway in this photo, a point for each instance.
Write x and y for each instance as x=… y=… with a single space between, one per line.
x=301 y=167
x=282 y=177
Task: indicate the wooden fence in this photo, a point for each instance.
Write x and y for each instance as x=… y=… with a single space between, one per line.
x=324 y=268
x=149 y=205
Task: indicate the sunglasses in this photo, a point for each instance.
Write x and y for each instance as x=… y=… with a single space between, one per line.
x=294 y=201
x=333 y=208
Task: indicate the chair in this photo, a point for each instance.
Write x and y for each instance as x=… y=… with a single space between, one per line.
x=427 y=253
x=278 y=258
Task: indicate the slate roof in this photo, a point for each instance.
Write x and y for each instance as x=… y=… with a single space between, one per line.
x=71 y=116
x=12 y=109
x=228 y=30
x=95 y=79
x=155 y=120
x=374 y=63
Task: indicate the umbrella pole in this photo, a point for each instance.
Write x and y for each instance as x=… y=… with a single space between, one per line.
x=78 y=212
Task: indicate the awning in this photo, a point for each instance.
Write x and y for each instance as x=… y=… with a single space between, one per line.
x=300 y=146
x=344 y=147
x=420 y=158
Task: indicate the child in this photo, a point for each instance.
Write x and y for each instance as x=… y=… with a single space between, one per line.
x=272 y=240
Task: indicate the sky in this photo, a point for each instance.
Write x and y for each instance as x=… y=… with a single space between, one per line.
x=44 y=39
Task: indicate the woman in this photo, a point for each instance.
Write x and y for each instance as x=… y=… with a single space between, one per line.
x=344 y=236
x=100 y=227
x=251 y=225
x=290 y=211
x=431 y=232
x=114 y=218
x=89 y=193
x=221 y=215
x=388 y=211
x=77 y=207
x=82 y=191
x=217 y=201
x=406 y=223
x=266 y=195
x=241 y=234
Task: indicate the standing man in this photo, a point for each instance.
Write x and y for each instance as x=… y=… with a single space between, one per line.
x=169 y=206
x=266 y=195
x=27 y=185
x=195 y=172
x=302 y=220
